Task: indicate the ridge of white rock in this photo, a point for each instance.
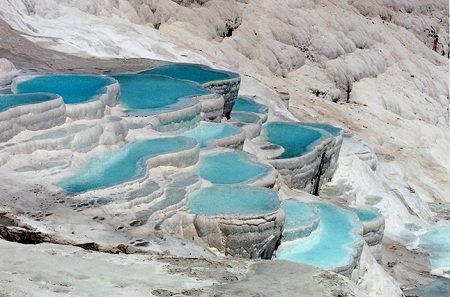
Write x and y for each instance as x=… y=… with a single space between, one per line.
x=38 y=116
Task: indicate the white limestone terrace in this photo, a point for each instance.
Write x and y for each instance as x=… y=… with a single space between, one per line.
x=306 y=156
x=85 y=96
x=249 y=115
x=131 y=162
x=159 y=197
x=223 y=166
x=240 y=221
x=301 y=219
x=114 y=160
x=222 y=82
x=36 y=111
x=335 y=243
x=165 y=103
x=210 y=135
x=249 y=104
x=373 y=229
x=79 y=137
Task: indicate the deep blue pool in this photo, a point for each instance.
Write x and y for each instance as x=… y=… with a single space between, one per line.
x=9 y=101
x=125 y=164
x=147 y=92
x=194 y=72
x=233 y=200
x=206 y=133
x=73 y=88
x=231 y=168
x=295 y=138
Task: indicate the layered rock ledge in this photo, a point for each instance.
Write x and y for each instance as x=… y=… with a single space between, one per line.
x=37 y=116
x=248 y=224
x=309 y=169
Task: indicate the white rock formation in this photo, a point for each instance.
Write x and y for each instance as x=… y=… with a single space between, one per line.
x=38 y=116
x=240 y=235
x=7 y=72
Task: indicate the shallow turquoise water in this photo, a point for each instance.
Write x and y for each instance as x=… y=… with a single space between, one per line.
x=297 y=213
x=206 y=132
x=194 y=72
x=125 y=164
x=233 y=200
x=231 y=168
x=9 y=101
x=329 y=128
x=437 y=242
x=247 y=105
x=295 y=138
x=245 y=117
x=330 y=246
x=146 y=92
x=365 y=215
x=72 y=88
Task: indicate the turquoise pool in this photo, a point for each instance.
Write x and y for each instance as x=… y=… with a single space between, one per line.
x=331 y=244
x=301 y=219
x=231 y=168
x=247 y=105
x=73 y=88
x=143 y=94
x=125 y=164
x=365 y=215
x=206 y=133
x=297 y=213
x=10 y=101
x=437 y=242
x=233 y=200
x=193 y=72
x=295 y=138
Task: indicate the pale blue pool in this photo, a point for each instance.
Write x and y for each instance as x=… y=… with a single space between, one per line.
x=231 y=168
x=295 y=138
x=145 y=94
x=331 y=244
x=247 y=105
x=335 y=131
x=73 y=88
x=193 y=72
x=206 y=133
x=365 y=215
x=10 y=101
x=297 y=213
x=300 y=219
x=437 y=242
x=233 y=200
x=125 y=164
